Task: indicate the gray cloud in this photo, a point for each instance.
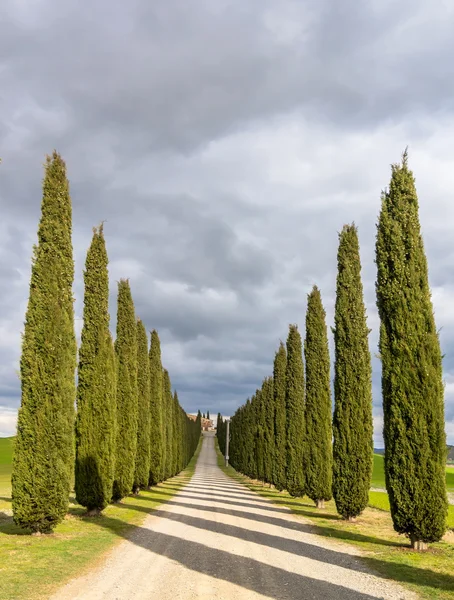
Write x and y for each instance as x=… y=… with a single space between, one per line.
x=225 y=145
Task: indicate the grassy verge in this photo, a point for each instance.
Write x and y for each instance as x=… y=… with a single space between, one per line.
x=430 y=574
x=33 y=567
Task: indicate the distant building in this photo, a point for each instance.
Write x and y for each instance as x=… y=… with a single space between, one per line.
x=207 y=424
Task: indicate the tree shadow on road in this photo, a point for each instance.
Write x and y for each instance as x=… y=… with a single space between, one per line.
x=248 y=573
x=288 y=524
x=263 y=578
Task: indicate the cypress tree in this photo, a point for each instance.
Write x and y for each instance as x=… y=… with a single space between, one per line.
x=142 y=468
x=44 y=449
x=295 y=413
x=176 y=434
x=208 y=414
x=268 y=404
x=127 y=406
x=412 y=386
x=168 y=423
x=156 y=422
x=260 y=424
x=96 y=402
x=318 y=461
x=280 y=418
x=352 y=420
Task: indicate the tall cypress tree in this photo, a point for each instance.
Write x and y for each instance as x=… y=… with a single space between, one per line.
x=412 y=386
x=352 y=420
x=318 y=461
x=142 y=468
x=168 y=423
x=280 y=418
x=259 y=425
x=156 y=421
x=96 y=403
x=268 y=404
x=44 y=448
x=127 y=406
x=176 y=434
x=295 y=413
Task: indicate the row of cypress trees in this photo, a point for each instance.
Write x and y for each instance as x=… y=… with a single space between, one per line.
x=307 y=455
x=221 y=432
x=284 y=434
x=130 y=430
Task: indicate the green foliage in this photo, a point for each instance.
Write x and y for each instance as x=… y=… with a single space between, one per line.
x=318 y=461
x=412 y=386
x=352 y=420
x=142 y=468
x=96 y=402
x=220 y=433
x=44 y=448
x=208 y=414
x=268 y=424
x=294 y=399
x=280 y=418
x=167 y=424
x=156 y=422
x=127 y=406
x=259 y=445
x=175 y=433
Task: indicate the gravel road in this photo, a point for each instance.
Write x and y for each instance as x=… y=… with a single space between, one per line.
x=218 y=540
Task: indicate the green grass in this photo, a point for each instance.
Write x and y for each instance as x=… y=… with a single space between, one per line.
x=450 y=479
x=380 y=500
x=430 y=574
x=33 y=567
x=6 y=456
x=378 y=475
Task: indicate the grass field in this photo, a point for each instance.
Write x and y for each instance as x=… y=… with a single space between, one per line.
x=6 y=455
x=430 y=574
x=32 y=567
x=450 y=479
x=378 y=475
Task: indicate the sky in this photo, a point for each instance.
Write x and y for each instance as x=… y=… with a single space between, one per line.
x=224 y=144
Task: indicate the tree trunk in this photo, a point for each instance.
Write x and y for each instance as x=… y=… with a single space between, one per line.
x=417 y=544
x=351 y=519
x=320 y=504
x=93 y=512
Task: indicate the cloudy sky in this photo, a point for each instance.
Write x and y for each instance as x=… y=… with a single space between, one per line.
x=225 y=144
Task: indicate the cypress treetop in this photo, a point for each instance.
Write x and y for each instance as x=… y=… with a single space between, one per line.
x=142 y=468
x=96 y=403
x=295 y=413
x=44 y=448
x=127 y=404
x=352 y=420
x=318 y=451
x=280 y=418
x=412 y=386
x=156 y=421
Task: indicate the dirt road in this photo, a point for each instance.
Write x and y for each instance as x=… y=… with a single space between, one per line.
x=217 y=540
